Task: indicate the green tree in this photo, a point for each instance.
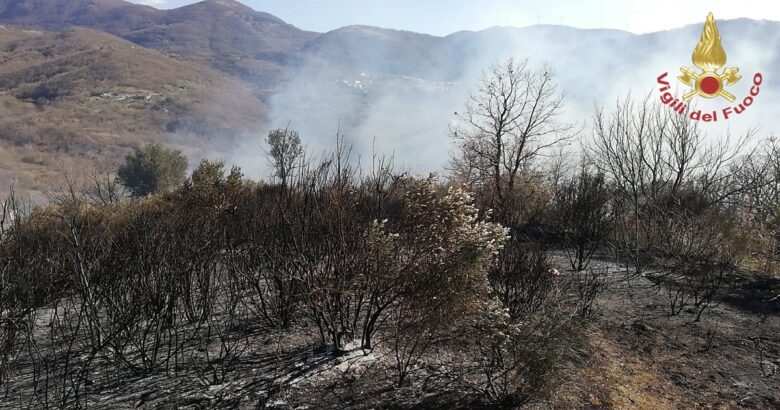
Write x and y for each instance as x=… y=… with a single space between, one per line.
x=152 y=168
x=285 y=153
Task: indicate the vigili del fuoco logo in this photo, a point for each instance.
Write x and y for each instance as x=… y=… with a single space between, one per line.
x=711 y=80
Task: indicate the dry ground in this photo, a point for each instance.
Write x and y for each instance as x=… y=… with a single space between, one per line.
x=633 y=356
x=640 y=357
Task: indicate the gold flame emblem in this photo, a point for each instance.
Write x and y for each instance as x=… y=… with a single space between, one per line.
x=709 y=56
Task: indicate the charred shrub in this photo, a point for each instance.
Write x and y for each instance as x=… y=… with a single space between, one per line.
x=521 y=278
x=582 y=216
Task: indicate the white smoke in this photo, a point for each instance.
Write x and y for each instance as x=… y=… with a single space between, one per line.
x=406 y=109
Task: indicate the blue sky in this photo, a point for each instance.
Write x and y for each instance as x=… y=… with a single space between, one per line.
x=441 y=17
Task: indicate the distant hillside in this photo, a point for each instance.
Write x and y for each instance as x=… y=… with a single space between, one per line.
x=227 y=70
x=224 y=33
x=79 y=99
x=55 y=15
x=396 y=91
x=384 y=51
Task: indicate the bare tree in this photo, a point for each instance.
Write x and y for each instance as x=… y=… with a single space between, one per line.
x=758 y=207
x=513 y=115
x=759 y=174
x=106 y=189
x=654 y=157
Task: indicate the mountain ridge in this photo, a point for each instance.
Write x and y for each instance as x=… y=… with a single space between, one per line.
x=362 y=77
x=261 y=48
x=223 y=33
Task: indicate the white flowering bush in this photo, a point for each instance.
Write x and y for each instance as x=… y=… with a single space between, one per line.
x=438 y=256
x=440 y=251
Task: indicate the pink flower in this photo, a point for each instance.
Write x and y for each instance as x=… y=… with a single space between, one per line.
x=553 y=271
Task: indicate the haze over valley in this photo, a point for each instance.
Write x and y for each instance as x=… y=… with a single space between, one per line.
x=213 y=77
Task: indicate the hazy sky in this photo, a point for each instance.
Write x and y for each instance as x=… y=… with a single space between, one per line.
x=441 y=17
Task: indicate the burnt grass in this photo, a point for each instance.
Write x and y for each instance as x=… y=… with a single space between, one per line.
x=634 y=354
x=730 y=358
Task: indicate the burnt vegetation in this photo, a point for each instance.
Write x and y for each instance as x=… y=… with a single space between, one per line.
x=429 y=287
